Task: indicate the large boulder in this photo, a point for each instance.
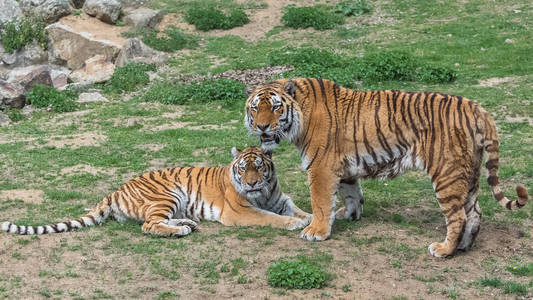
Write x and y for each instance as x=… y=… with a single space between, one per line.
x=27 y=77
x=95 y=70
x=143 y=18
x=134 y=50
x=31 y=54
x=11 y=95
x=72 y=49
x=9 y=10
x=105 y=10
x=48 y=10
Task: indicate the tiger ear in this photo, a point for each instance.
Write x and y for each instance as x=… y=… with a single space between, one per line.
x=235 y=152
x=248 y=90
x=290 y=88
x=268 y=153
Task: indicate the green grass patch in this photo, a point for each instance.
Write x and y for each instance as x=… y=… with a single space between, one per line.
x=20 y=32
x=205 y=18
x=46 y=96
x=353 y=8
x=524 y=270
x=513 y=287
x=320 y=17
x=225 y=91
x=129 y=77
x=298 y=273
x=169 y=40
x=346 y=70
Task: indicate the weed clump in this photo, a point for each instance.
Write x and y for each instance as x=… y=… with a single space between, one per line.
x=299 y=273
x=128 y=77
x=47 y=96
x=172 y=40
x=21 y=32
x=207 y=18
x=226 y=91
x=320 y=17
x=353 y=8
x=346 y=70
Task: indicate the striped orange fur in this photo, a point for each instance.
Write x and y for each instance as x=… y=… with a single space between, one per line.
x=169 y=202
x=345 y=135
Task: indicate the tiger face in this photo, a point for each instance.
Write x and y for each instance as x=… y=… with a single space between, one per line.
x=272 y=114
x=252 y=172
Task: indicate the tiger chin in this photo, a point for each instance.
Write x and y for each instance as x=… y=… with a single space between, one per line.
x=345 y=135
x=169 y=202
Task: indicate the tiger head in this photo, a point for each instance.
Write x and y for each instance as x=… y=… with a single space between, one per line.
x=272 y=113
x=252 y=172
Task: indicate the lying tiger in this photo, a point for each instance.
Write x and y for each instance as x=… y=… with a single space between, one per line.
x=171 y=201
x=345 y=135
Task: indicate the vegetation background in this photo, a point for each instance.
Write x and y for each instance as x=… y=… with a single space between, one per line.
x=68 y=156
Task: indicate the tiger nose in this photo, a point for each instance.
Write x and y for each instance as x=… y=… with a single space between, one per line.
x=252 y=184
x=263 y=127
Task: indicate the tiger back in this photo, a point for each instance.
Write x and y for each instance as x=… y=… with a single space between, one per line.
x=169 y=202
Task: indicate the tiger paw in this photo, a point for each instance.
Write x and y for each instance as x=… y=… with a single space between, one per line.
x=183 y=222
x=296 y=223
x=182 y=230
x=315 y=232
x=440 y=250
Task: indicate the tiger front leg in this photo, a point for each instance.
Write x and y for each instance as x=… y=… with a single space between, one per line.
x=323 y=184
x=253 y=216
x=290 y=209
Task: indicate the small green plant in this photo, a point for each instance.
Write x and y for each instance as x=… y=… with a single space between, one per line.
x=128 y=77
x=493 y=282
x=320 y=17
x=242 y=279
x=525 y=270
x=353 y=8
x=47 y=96
x=512 y=287
x=14 y=115
x=207 y=18
x=346 y=288
x=77 y=12
x=171 y=40
x=296 y=273
x=226 y=91
x=21 y=32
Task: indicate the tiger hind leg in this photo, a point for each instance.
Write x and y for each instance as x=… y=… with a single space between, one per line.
x=451 y=194
x=473 y=218
x=350 y=190
x=183 y=222
x=163 y=229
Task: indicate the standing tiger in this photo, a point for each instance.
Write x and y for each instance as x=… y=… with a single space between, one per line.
x=171 y=201
x=344 y=135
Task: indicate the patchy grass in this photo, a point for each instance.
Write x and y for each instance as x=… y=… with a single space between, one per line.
x=409 y=45
x=320 y=17
x=169 y=40
x=129 y=77
x=43 y=96
x=205 y=18
x=299 y=273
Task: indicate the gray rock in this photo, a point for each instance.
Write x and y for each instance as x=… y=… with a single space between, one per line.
x=48 y=10
x=59 y=76
x=11 y=95
x=27 y=77
x=95 y=70
x=105 y=10
x=91 y=97
x=143 y=18
x=4 y=119
x=31 y=54
x=28 y=111
x=9 y=10
x=71 y=48
x=134 y=50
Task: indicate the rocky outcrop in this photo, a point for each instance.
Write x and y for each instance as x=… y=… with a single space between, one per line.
x=4 y=119
x=95 y=70
x=91 y=97
x=31 y=54
x=142 y=18
x=72 y=49
x=134 y=50
x=9 y=9
x=59 y=76
x=77 y=3
x=29 y=76
x=106 y=10
x=11 y=95
x=47 y=10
